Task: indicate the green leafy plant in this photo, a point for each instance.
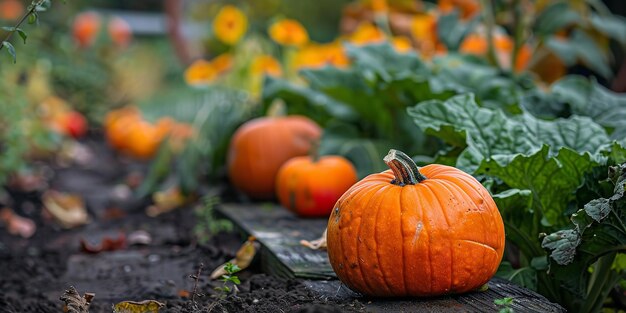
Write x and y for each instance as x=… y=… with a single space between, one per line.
x=229 y=279
x=215 y=114
x=539 y=171
x=363 y=107
x=504 y=304
x=32 y=15
x=207 y=224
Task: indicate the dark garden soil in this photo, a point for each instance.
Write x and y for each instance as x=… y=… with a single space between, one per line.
x=35 y=272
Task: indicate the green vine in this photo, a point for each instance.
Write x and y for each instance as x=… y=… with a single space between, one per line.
x=32 y=15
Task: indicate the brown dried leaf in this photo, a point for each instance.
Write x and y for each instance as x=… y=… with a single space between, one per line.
x=74 y=303
x=317 y=244
x=165 y=201
x=107 y=244
x=146 y=306
x=67 y=209
x=17 y=225
x=243 y=258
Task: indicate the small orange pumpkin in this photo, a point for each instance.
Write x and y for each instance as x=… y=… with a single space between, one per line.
x=310 y=186
x=415 y=232
x=260 y=147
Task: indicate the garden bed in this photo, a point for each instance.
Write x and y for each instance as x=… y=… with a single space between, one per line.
x=36 y=271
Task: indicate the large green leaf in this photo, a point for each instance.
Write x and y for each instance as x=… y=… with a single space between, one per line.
x=555 y=17
x=552 y=180
x=489 y=134
x=451 y=30
x=610 y=25
x=303 y=100
x=597 y=235
x=384 y=61
x=588 y=98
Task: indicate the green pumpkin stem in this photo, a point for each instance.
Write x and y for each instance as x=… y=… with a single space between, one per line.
x=314 y=152
x=404 y=168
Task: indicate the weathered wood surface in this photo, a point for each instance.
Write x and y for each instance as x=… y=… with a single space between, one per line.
x=280 y=232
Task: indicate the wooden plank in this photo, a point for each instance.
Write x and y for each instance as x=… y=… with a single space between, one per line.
x=524 y=300
x=279 y=232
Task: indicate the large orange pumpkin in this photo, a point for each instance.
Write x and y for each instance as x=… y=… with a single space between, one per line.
x=310 y=186
x=415 y=232
x=259 y=148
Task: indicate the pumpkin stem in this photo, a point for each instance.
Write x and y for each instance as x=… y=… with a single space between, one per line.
x=314 y=152
x=277 y=108
x=404 y=168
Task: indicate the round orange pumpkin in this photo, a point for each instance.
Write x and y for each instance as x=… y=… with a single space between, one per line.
x=118 y=125
x=259 y=148
x=415 y=232
x=310 y=186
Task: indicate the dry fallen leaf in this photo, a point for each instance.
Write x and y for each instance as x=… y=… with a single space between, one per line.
x=74 y=303
x=67 y=209
x=107 y=244
x=139 y=237
x=317 y=244
x=165 y=201
x=146 y=306
x=17 y=225
x=243 y=258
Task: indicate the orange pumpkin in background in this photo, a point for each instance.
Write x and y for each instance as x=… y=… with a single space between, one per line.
x=143 y=140
x=261 y=146
x=117 y=125
x=310 y=186
x=415 y=232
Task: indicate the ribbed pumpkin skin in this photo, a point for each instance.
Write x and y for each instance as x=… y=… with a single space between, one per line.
x=443 y=235
x=259 y=148
x=311 y=189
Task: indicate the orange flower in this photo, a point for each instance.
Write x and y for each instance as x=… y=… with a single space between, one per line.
x=120 y=31
x=11 y=10
x=424 y=32
x=402 y=43
x=424 y=28
x=316 y=56
x=367 y=33
x=230 y=25
x=266 y=65
x=85 y=28
x=379 y=6
x=222 y=63
x=468 y=8
x=477 y=45
x=200 y=72
x=289 y=32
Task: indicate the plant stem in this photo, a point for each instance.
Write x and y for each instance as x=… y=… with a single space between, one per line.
x=488 y=16
x=518 y=26
x=403 y=167
x=31 y=11
x=597 y=282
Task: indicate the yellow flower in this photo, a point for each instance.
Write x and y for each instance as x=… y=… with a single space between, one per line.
x=402 y=44
x=424 y=32
x=222 y=63
x=289 y=32
x=230 y=25
x=367 y=33
x=266 y=64
x=316 y=56
x=424 y=27
x=200 y=72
